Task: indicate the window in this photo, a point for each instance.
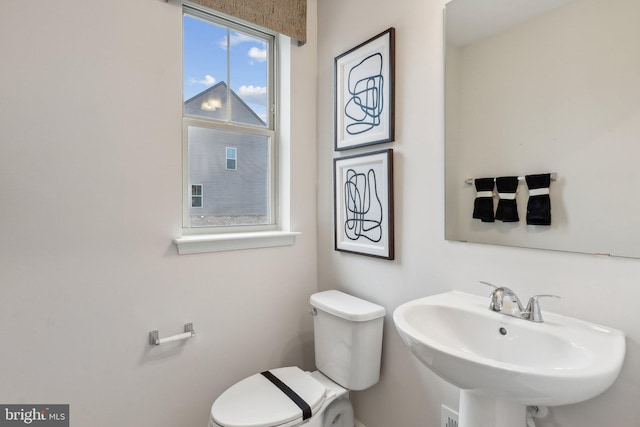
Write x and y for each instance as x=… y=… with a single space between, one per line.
x=196 y=195
x=232 y=158
x=229 y=106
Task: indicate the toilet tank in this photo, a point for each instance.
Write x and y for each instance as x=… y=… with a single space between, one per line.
x=348 y=338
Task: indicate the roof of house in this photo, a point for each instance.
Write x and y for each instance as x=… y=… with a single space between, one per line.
x=210 y=101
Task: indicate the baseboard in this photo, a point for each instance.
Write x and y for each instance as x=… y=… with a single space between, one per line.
x=357 y=423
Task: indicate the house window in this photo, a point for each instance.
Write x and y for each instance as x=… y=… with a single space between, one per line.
x=229 y=105
x=196 y=195
x=232 y=158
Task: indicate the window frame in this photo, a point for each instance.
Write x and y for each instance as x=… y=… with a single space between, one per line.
x=234 y=158
x=201 y=196
x=270 y=130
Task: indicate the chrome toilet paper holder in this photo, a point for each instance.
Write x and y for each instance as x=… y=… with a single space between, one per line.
x=154 y=336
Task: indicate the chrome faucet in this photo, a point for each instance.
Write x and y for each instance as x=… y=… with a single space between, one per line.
x=505 y=301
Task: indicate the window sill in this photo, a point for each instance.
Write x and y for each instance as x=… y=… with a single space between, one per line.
x=197 y=244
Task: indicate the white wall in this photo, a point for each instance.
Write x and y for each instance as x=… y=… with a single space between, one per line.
x=90 y=195
x=599 y=289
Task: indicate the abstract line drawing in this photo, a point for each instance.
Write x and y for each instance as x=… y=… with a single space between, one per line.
x=363 y=204
x=364 y=93
x=363 y=208
x=365 y=85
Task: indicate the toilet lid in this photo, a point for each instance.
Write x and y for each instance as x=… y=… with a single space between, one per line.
x=257 y=402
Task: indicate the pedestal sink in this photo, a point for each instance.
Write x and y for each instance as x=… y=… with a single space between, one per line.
x=501 y=363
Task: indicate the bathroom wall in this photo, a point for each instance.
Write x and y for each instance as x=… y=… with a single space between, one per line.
x=596 y=288
x=90 y=195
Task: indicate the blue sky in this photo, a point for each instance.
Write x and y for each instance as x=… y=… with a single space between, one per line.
x=205 y=62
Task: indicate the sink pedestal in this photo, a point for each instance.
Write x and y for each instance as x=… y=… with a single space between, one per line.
x=477 y=410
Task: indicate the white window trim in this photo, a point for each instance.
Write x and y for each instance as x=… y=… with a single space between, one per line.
x=282 y=236
x=203 y=243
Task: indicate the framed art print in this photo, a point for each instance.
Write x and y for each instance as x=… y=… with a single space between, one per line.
x=363 y=193
x=364 y=98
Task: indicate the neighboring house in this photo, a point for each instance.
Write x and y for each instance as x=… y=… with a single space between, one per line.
x=239 y=161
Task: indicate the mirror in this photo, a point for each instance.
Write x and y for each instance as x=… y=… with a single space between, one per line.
x=541 y=86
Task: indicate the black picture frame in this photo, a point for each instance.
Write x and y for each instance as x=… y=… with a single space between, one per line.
x=364 y=101
x=363 y=204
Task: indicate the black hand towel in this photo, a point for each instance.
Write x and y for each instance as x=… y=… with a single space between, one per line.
x=507 y=210
x=539 y=205
x=483 y=204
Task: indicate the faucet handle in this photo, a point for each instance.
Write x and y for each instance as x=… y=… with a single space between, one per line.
x=494 y=305
x=546 y=295
x=489 y=284
x=533 y=307
x=498 y=302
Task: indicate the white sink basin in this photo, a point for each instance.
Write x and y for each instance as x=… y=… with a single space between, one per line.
x=560 y=361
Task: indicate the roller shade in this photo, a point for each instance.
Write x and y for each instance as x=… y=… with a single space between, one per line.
x=287 y=17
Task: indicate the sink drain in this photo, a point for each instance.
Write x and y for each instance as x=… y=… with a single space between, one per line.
x=502 y=331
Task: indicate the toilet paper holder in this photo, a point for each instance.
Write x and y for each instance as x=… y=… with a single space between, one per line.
x=154 y=336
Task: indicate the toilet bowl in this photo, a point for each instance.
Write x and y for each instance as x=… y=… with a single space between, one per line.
x=348 y=344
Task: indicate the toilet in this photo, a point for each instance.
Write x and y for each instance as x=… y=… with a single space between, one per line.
x=348 y=344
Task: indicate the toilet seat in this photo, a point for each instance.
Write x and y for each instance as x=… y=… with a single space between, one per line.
x=257 y=402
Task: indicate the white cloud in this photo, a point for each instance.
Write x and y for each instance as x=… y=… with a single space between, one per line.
x=253 y=94
x=208 y=80
x=235 y=39
x=259 y=55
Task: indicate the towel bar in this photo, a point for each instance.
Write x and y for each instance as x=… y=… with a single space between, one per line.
x=470 y=181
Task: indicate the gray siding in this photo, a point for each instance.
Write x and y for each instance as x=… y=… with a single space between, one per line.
x=246 y=189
